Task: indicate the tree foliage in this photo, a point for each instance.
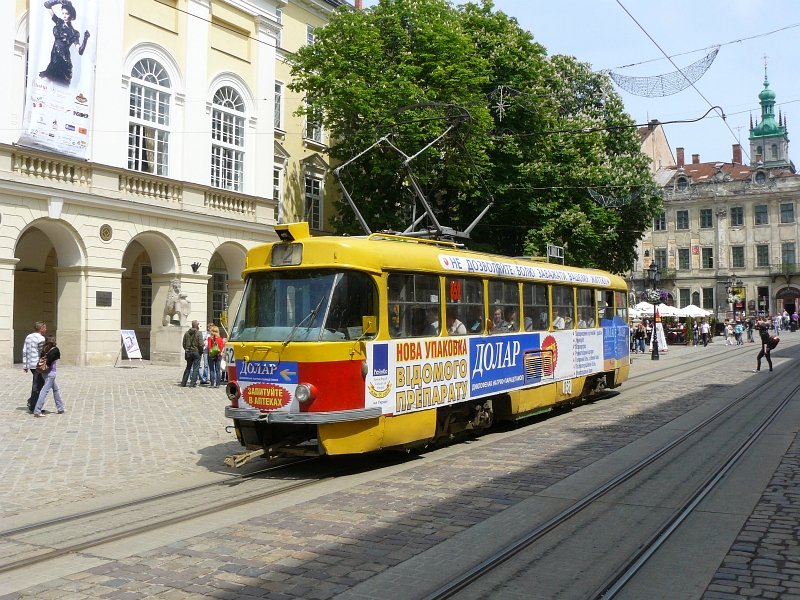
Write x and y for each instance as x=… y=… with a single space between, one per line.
x=540 y=130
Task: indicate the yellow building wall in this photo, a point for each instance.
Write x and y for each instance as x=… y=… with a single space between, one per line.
x=293 y=37
x=161 y=22
x=232 y=40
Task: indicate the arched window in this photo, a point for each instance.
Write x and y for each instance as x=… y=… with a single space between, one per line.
x=148 y=129
x=683 y=184
x=774 y=151
x=227 y=140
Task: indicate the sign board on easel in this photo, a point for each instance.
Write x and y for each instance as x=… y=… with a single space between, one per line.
x=130 y=345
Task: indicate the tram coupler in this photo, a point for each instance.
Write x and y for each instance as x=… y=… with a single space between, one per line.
x=237 y=460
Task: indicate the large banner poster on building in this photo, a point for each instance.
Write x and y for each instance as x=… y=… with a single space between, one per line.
x=62 y=52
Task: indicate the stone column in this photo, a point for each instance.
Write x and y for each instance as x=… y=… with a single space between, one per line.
x=8 y=347
x=71 y=310
x=103 y=340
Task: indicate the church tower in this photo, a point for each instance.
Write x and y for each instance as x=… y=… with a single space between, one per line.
x=769 y=140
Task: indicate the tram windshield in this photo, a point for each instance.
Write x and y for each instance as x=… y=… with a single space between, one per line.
x=305 y=305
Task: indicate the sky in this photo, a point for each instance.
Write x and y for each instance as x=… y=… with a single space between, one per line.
x=603 y=34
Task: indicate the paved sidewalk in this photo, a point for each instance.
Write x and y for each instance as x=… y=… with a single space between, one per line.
x=125 y=428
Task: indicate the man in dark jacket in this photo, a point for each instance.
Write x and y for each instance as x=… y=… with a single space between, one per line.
x=193 y=349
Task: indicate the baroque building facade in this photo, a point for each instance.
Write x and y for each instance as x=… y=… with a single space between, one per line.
x=727 y=237
x=142 y=156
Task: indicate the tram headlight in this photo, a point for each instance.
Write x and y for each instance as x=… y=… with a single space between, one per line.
x=305 y=393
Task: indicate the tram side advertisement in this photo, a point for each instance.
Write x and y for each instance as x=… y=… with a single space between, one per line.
x=268 y=385
x=412 y=375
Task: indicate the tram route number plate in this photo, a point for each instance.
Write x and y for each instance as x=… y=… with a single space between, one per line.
x=566 y=387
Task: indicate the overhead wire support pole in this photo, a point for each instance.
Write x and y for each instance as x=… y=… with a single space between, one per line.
x=337 y=177
x=413 y=181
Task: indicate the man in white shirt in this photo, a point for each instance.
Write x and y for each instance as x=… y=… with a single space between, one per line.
x=705 y=330
x=31 y=350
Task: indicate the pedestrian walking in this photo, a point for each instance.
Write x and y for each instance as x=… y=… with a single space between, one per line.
x=31 y=352
x=705 y=328
x=639 y=337
x=763 y=329
x=214 y=348
x=728 y=334
x=192 y=349
x=738 y=329
x=751 y=325
x=50 y=356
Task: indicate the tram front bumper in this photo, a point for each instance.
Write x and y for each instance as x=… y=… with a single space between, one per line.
x=307 y=418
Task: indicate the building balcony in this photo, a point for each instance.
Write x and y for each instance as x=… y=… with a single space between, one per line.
x=663 y=274
x=784 y=270
x=55 y=174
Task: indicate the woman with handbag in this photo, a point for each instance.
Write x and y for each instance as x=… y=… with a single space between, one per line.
x=766 y=346
x=214 y=346
x=47 y=366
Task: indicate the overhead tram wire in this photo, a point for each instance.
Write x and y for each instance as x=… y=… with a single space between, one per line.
x=722 y=114
x=736 y=41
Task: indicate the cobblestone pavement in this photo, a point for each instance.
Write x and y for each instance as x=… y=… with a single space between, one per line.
x=125 y=427
x=764 y=562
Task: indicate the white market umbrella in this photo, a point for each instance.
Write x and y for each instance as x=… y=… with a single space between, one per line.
x=635 y=314
x=670 y=311
x=695 y=311
x=644 y=307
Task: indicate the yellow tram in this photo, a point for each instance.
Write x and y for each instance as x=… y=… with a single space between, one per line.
x=347 y=345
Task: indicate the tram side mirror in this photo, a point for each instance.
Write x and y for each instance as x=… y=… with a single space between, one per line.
x=368 y=325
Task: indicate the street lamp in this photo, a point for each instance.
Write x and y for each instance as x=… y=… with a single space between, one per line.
x=652 y=275
x=731 y=284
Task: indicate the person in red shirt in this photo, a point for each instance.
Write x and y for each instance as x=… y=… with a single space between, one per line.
x=215 y=346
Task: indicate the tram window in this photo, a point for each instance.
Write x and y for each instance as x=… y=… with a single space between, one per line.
x=354 y=297
x=563 y=307
x=621 y=302
x=304 y=306
x=587 y=312
x=504 y=307
x=464 y=306
x=414 y=307
x=607 y=305
x=535 y=307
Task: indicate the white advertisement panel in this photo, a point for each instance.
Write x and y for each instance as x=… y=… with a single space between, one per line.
x=131 y=344
x=62 y=53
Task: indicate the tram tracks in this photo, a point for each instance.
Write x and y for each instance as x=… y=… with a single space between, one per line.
x=45 y=541
x=474 y=582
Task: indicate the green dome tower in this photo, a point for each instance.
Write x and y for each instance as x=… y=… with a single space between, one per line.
x=769 y=139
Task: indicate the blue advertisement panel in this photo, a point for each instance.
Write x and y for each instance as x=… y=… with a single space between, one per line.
x=496 y=363
x=615 y=338
x=267 y=372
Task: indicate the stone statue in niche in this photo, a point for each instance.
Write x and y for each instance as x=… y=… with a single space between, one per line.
x=178 y=306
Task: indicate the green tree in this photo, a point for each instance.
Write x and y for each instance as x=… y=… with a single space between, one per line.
x=541 y=132
x=599 y=150
x=363 y=68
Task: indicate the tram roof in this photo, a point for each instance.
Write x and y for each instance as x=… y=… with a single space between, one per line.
x=380 y=252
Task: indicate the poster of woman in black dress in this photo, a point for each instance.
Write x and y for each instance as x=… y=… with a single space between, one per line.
x=60 y=68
